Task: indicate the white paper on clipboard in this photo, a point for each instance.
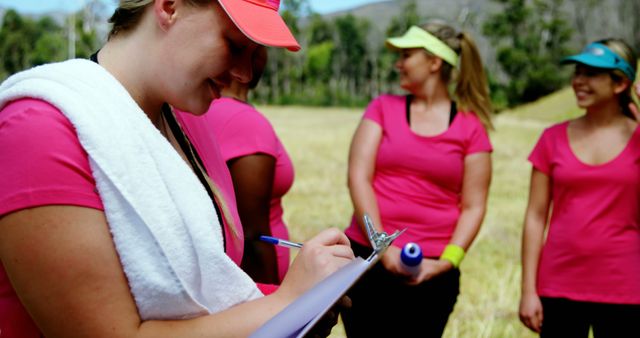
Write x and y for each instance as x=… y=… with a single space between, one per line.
x=301 y=315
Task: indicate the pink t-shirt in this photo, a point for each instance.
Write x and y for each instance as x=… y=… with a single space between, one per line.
x=43 y=163
x=241 y=130
x=592 y=250
x=207 y=148
x=418 y=179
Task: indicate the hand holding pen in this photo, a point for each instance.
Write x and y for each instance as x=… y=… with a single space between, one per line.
x=319 y=257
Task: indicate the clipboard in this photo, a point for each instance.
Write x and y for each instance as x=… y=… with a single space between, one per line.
x=299 y=317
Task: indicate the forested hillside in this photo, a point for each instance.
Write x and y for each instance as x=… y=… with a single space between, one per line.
x=344 y=61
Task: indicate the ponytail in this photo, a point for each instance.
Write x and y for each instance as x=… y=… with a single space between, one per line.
x=472 y=89
x=625 y=51
x=626 y=99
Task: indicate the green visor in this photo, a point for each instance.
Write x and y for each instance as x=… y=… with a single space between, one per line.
x=417 y=37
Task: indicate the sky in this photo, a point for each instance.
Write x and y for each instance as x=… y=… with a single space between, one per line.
x=43 y=6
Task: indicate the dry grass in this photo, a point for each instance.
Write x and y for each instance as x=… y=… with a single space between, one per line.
x=318 y=141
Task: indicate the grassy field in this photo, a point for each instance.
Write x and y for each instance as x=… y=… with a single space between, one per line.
x=318 y=140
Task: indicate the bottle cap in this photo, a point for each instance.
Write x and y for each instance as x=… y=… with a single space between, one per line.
x=411 y=254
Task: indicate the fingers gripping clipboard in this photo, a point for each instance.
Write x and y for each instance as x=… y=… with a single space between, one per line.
x=300 y=316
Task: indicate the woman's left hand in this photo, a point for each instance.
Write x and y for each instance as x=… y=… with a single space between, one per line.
x=391 y=261
x=430 y=268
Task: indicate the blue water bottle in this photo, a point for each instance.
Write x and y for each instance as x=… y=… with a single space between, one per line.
x=411 y=256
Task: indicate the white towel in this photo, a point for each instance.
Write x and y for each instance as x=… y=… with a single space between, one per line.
x=163 y=224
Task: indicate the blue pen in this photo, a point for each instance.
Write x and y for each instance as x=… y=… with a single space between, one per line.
x=281 y=242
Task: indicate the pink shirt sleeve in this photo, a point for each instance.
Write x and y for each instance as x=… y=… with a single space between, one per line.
x=374 y=111
x=42 y=163
x=478 y=137
x=540 y=156
x=42 y=160
x=199 y=131
x=247 y=132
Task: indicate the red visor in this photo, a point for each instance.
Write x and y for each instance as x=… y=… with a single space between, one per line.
x=259 y=20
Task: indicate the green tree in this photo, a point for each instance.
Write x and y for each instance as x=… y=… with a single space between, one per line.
x=318 y=30
x=386 y=75
x=17 y=36
x=48 y=43
x=86 y=36
x=582 y=15
x=318 y=74
x=299 y=8
x=350 y=57
x=530 y=38
x=282 y=79
x=629 y=16
x=25 y=42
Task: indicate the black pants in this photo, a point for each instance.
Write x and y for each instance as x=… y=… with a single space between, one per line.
x=383 y=306
x=572 y=319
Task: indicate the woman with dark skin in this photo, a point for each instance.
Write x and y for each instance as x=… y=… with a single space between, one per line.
x=262 y=173
x=260 y=169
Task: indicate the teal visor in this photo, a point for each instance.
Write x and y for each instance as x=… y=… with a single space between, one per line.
x=600 y=56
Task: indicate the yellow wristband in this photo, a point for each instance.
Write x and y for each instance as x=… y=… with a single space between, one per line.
x=454 y=254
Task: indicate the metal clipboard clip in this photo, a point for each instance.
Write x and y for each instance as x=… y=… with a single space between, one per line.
x=380 y=241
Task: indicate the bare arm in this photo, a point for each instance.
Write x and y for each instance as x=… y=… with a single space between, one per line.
x=475 y=189
x=535 y=223
x=362 y=158
x=65 y=270
x=253 y=182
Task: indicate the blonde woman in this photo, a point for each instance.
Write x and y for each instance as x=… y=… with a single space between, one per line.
x=420 y=162
x=109 y=227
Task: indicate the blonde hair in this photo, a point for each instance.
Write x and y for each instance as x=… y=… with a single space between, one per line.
x=129 y=13
x=622 y=49
x=472 y=88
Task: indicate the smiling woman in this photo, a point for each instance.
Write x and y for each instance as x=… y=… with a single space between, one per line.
x=585 y=188
x=110 y=223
